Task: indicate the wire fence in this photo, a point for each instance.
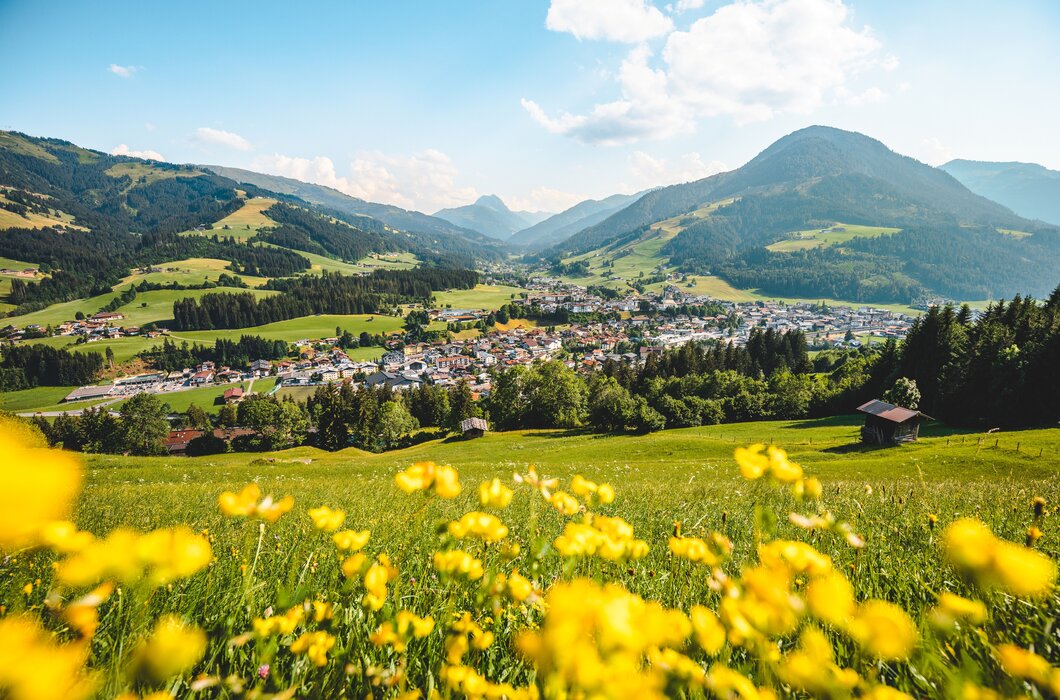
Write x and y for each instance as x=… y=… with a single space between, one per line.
x=982 y=442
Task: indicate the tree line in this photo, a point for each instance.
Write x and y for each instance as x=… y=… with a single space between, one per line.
x=328 y=293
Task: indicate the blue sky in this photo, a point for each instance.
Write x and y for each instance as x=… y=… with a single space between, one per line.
x=431 y=104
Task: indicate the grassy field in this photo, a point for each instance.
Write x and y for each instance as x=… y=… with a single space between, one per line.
x=306 y=327
x=833 y=235
x=890 y=497
x=483 y=296
x=157 y=305
x=188 y=271
x=245 y=222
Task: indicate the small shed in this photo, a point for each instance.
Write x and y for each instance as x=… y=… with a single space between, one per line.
x=473 y=427
x=887 y=424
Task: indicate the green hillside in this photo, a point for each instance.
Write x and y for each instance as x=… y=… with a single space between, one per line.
x=779 y=233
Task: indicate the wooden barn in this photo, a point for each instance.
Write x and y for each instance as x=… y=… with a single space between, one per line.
x=887 y=424
x=474 y=427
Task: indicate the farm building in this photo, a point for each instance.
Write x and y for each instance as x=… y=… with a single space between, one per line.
x=473 y=427
x=887 y=424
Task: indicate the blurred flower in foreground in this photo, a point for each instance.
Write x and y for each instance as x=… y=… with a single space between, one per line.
x=996 y=563
x=326 y=519
x=173 y=648
x=34 y=667
x=248 y=502
x=39 y=484
x=422 y=476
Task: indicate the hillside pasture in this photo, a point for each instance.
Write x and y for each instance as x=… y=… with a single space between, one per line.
x=189 y=271
x=306 y=327
x=483 y=297
x=837 y=234
x=245 y=222
x=157 y=305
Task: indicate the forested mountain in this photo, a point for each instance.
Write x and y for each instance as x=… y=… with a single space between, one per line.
x=951 y=241
x=88 y=217
x=405 y=220
x=491 y=216
x=562 y=226
x=1028 y=189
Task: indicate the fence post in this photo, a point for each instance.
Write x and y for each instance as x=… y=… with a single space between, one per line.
x=1017 y=447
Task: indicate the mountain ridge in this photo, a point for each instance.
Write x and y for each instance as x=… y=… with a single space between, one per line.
x=1030 y=189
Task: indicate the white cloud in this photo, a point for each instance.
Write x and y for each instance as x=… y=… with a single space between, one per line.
x=750 y=60
x=629 y=21
x=544 y=199
x=425 y=181
x=207 y=135
x=122 y=71
x=686 y=5
x=123 y=150
x=649 y=171
x=865 y=97
x=933 y=152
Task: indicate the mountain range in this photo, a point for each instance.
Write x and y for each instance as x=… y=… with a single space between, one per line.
x=916 y=230
x=1028 y=189
x=819 y=213
x=491 y=216
x=562 y=226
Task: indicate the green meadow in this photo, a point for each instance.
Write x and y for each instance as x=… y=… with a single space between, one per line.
x=890 y=497
x=305 y=327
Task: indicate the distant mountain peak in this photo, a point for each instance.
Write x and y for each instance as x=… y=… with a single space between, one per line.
x=493 y=202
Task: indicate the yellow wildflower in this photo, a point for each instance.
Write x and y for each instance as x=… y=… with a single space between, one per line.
x=82 y=614
x=350 y=540
x=379 y=574
x=39 y=484
x=1025 y=664
x=811 y=668
x=248 y=503
x=315 y=645
x=479 y=525
x=36 y=668
x=422 y=476
x=352 y=566
x=326 y=519
x=173 y=648
x=711 y=552
x=707 y=628
x=63 y=537
x=564 y=503
x=831 y=598
x=997 y=563
x=519 y=587
x=953 y=609
x=172 y=553
x=279 y=624
x=494 y=493
x=884 y=630
x=458 y=563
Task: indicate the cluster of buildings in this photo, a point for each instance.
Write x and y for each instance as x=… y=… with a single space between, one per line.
x=623 y=329
x=102 y=326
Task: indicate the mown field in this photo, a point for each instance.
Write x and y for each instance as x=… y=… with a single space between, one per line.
x=483 y=296
x=189 y=271
x=900 y=501
x=305 y=327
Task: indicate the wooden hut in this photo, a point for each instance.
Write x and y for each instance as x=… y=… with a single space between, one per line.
x=473 y=427
x=887 y=424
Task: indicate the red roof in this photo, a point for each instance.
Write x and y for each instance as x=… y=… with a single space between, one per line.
x=888 y=411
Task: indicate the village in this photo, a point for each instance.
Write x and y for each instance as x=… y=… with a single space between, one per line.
x=596 y=329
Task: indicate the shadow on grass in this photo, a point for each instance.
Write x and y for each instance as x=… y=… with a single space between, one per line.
x=844 y=421
x=857 y=448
